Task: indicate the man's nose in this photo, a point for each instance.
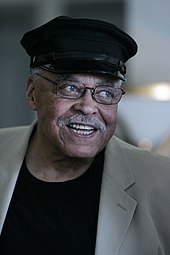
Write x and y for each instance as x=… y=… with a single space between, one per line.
x=86 y=104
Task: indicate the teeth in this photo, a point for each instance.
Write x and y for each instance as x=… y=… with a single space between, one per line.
x=80 y=132
x=82 y=127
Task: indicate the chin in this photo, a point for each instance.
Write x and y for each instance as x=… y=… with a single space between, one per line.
x=83 y=154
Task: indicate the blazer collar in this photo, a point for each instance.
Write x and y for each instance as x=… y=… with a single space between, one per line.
x=116 y=207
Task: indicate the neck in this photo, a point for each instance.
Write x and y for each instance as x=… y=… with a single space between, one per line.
x=52 y=166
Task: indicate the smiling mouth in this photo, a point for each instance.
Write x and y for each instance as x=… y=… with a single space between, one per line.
x=82 y=129
x=83 y=124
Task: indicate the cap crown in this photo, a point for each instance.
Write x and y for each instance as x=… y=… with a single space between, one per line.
x=79 y=40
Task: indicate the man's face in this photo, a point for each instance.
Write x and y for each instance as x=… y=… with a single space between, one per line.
x=78 y=128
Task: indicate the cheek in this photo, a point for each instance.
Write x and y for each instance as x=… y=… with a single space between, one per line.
x=110 y=118
x=50 y=109
x=48 y=115
x=110 y=115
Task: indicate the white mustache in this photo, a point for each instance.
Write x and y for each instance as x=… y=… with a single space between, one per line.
x=85 y=119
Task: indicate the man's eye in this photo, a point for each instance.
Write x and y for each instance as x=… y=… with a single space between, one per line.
x=105 y=93
x=68 y=89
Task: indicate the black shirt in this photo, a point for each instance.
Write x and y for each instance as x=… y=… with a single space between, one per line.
x=53 y=218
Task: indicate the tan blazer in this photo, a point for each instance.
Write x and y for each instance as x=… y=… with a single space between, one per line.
x=134 y=211
x=163 y=147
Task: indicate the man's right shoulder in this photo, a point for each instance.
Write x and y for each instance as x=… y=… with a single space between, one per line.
x=10 y=133
x=12 y=130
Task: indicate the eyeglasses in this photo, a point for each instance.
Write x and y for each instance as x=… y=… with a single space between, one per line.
x=103 y=94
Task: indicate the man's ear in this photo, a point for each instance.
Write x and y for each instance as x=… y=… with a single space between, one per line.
x=30 y=94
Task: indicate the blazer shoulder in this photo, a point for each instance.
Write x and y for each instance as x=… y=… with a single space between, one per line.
x=143 y=160
x=11 y=134
x=12 y=130
x=6 y=133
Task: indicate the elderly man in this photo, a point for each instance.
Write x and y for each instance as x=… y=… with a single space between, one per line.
x=67 y=185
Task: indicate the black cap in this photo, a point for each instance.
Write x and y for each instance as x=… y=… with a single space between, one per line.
x=70 y=45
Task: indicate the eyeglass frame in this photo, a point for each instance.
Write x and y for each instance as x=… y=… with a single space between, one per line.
x=92 y=90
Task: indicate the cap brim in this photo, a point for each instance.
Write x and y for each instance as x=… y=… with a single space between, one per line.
x=85 y=66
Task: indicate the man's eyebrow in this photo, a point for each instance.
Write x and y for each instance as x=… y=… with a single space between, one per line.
x=66 y=77
x=107 y=82
x=74 y=78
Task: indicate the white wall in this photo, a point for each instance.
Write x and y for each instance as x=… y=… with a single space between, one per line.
x=149 y=22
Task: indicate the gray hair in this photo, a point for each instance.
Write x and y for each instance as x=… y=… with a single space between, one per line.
x=34 y=71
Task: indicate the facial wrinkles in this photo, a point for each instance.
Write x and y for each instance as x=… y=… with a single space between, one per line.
x=82 y=119
x=68 y=77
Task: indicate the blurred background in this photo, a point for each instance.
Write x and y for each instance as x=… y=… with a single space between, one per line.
x=144 y=112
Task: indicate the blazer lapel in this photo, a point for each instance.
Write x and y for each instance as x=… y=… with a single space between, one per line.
x=116 y=207
x=12 y=155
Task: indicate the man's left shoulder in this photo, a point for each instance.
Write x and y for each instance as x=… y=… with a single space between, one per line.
x=143 y=159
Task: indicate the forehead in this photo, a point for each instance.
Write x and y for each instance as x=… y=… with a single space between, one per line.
x=96 y=78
